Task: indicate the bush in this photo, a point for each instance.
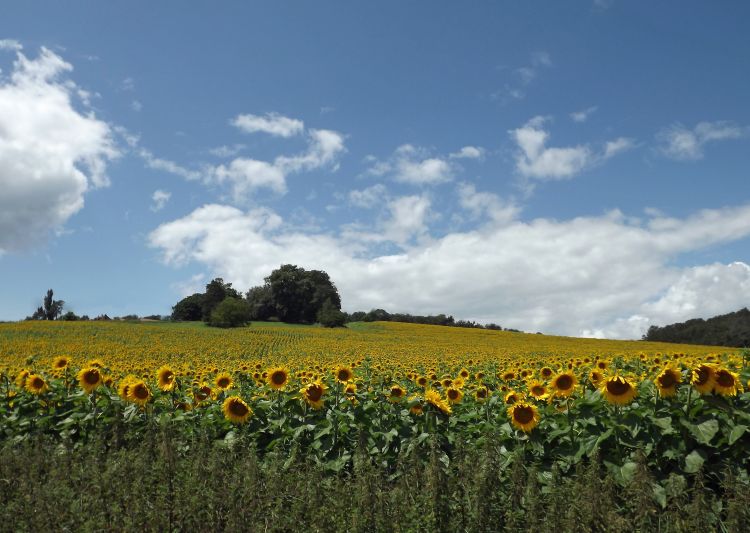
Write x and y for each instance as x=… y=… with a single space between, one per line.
x=330 y=317
x=230 y=313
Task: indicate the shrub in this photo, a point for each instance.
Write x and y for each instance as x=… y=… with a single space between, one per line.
x=230 y=313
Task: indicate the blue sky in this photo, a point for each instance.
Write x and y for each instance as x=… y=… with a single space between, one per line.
x=570 y=167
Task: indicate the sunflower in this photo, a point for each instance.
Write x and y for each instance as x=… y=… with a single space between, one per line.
x=726 y=383
x=511 y=398
x=202 y=393
x=417 y=408
x=546 y=372
x=464 y=373
x=236 y=410
x=454 y=395
x=167 y=378
x=277 y=378
x=351 y=388
x=667 y=381
x=703 y=378
x=422 y=381
x=124 y=387
x=313 y=394
x=60 y=363
x=433 y=398
x=618 y=390
x=21 y=378
x=509 y=376
x=396 y=394
x=36 y=384
x=538 y=390
x=523 y=416
x=596 y=377
x=138 y=392
x=89 y=379
x=564 y=384
x=343 y=373
x=224 y=381
x=481 y=394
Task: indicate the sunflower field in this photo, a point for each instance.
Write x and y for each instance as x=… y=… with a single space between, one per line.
x=507 y=419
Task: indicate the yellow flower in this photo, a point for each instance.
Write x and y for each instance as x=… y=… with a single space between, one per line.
x=89 y=379
x=417 y=408
x=538 y=390
x=511 y=398
x=481 y=394
x=703 y=379
x=167 y=378
x=60 y=363
x=224 y=381
x=138 y=392
x=313 y=394
x=277 y=378
x=396 y=394
x=726 y=383
x=454 y=395
x=433 y=398
x=564 y=384
x=618 y=390
x=523 y=416
x=123 y=388
x=35 y=384
x=667 y=381
x=236 y=410
x=343 y=374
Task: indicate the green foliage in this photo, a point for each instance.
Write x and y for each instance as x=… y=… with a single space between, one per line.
x=260 y=301
x=732 y=329
x=216 y=292
x=230 y=313
x=331 y=317
x=189 y=308
x=50 y=309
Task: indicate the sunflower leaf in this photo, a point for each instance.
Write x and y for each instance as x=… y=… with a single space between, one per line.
x=694 y=462
x=705 y=431
x=736 y=433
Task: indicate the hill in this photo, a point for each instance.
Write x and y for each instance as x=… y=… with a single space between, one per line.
x=732 y=329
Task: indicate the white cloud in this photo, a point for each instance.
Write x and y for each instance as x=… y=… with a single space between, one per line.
x=468 y=152
x=408 y=219
x=324 y=147
x=10 y=44
x=487 y=204
x=247 y=175
x=160 y=199
x=369 y=197
x=681 y=143
x=136 y=106
x=584 y=275
x=194 y=284
x=166 y=165
x=515 y=89
x=271 y=123
x=583 y=115
x=226 y=151
x=128 y=84
x=537 y=161
x=414 y=166
x=51 y=153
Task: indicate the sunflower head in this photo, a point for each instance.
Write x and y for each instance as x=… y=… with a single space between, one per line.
x=351 y=388
x=236 y=410
x=123 y=389
x=202 y=393
x=538 y=390
x=277 y=378
x=90 y=378
x=166 y=378
x=726 y=383
x=703 y=378
x=434 y=398
x=511 y=398
x=396 y=394
x=454 y=395
x=21 y=378
x=343 y=373
x=481 y=394
x=618 y=390
x=596 y=377
x=564 y=384
x=60 y=363
x=35 y=384
x=546 y=372
x=666 y=382
x=224 y=381
x=417 y=407
x=313 y=393
x=523 y=416
x=138 y=392
x=422 y=381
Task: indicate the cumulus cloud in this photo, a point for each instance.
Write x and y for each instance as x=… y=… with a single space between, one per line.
x=369 y=197
x=588 y=275
x=583 y=115
x=468 y=152
x=680 y=143
x=10 y=44
x=51 y=153
x=480 y=204
x=247 y=175
x=413 y=165
x=272 y=123
x=535 y=160
x=160 y=199
x=523 y=76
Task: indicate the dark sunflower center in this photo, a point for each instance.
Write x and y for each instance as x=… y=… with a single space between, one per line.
x=278 y=378
x=564 y=382
x=343 y=375
x=167 y=377
x=523 y=414
x=140 y=391
x=452 y=394
x=537 y=390
x=618 y=387
x=508 y=376
x=667 y=380
x=314 y=393
x=237 y=408
x=223 y=383
x=91 y=377
x=61 y=364
x=546 y=372
x=724 y=378
x=481 y=393
x=703 y=374
x=37 y=383
x=397 y=392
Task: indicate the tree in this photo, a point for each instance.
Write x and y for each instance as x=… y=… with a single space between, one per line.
x=216 y=292
x=260 y=302
x=331 y=317
x=50 y=309
x=298 y=294
x=189 y=308
x=230 y=313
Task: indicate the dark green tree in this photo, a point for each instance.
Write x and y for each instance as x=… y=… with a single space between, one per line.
x=260 y=301
x=299 y=294
x=216 y=292
x=189 y=308
x=230 y=313
x=331 y=317
x=50 y=309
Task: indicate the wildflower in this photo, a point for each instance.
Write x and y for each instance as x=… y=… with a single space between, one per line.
x=277 y=378
x=618 y=390
x=523 y=416
x=89 y=379
x=236 y=410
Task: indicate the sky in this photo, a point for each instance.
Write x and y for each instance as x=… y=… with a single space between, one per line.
x=575 y=168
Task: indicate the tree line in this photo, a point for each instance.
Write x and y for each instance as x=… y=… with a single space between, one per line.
x=732 y=329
